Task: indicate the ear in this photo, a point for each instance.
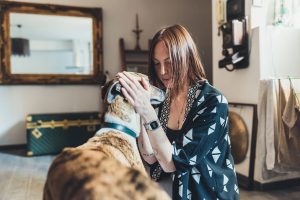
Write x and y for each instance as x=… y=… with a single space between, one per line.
x=113 y=91
x=157 y=95
x=104 y=89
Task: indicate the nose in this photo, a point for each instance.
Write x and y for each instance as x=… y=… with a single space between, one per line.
x=162 y=69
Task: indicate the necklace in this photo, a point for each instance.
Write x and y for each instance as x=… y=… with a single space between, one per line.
x=180 y=113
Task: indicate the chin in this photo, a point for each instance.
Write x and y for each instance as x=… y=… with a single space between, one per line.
x=168 y=85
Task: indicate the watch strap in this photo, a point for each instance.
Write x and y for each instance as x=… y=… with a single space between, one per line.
x=153 y=125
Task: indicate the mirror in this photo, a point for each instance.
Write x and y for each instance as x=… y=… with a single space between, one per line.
x=50 y=44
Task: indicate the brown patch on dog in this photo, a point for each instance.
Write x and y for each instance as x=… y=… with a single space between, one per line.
x=91 y=171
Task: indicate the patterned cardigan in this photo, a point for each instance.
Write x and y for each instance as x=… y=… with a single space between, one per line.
x=203 y=160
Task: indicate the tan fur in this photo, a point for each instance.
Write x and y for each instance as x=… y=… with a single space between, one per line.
x=115 y=145
x=106 y=167
x=121 y=110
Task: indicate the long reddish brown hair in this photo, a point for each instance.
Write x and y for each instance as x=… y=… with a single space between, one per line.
x=184 y=56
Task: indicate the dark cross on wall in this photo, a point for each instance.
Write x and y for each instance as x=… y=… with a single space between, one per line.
x=137 y=31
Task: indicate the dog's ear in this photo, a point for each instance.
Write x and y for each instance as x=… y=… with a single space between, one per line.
x=157 y=95
x=105 y=88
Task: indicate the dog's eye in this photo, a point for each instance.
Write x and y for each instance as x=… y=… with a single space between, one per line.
x=116 y=89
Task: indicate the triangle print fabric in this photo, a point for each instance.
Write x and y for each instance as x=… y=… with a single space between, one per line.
x=203 y=161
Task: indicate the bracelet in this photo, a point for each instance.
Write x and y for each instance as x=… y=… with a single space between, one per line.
x=150 y=154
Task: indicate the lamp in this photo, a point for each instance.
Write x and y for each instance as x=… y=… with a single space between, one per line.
x=20 y=46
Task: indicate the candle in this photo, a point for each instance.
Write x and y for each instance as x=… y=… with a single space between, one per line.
x=137 y=22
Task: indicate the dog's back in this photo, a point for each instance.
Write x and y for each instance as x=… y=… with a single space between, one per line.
x=90 y=172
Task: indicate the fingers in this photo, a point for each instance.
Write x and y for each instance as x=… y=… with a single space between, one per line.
x=127 y=96
x=133 y=88
x=127 y=87
x=134 y=80
x=145 y=84
x=128 y=80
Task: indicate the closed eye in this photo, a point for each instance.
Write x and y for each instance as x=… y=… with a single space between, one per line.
x=156 y=63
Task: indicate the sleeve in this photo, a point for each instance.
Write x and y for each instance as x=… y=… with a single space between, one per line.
x=206 y=126
x=204 y=165
x=156 y=172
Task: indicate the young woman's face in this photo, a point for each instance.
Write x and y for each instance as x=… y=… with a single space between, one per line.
x=162 y=64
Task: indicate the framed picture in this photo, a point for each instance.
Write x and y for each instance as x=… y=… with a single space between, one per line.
x=242 y=132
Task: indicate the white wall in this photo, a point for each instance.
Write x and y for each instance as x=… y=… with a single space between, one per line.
x=18 y=101
x=265 y=60
x=118 y=21
x=281 y=52
x=274 y=53
x=239 y=85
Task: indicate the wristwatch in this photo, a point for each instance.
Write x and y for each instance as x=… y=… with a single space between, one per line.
x=153 y=125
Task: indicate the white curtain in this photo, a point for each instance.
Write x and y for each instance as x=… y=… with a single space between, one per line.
x=275 y=135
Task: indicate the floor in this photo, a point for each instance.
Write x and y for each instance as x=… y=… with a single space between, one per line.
x=22 y=178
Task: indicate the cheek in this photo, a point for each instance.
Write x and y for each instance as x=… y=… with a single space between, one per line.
x=168 y=69
x=157 y=71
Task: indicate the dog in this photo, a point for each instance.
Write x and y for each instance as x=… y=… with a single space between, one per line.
x=108 y=166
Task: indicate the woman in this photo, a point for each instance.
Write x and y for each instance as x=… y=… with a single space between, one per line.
x=189 y=136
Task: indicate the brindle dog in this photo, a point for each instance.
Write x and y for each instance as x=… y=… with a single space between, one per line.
x=108 y=166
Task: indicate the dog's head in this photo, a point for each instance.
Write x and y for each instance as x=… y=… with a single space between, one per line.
x=119 y=110
x=112 y=89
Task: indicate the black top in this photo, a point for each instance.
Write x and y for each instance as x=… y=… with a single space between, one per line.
x=174 y=135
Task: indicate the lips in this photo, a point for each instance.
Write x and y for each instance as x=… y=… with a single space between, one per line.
x=166 y=79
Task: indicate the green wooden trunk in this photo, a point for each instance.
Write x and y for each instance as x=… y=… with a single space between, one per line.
x=50 y=133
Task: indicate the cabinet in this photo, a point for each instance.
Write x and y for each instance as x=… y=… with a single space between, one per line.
x=134 y=60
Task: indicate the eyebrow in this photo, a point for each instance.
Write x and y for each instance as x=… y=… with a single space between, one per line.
x=168 y=58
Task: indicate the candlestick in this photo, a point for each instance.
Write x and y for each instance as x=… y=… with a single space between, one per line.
x=137 y=31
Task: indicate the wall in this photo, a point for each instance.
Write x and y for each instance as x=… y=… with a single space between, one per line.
x=274 y=53
x=267 y=59
x=118 y=21
x=281 y=50
x=239 y=85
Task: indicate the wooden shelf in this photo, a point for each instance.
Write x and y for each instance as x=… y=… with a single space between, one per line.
x=132 y=59
x=136 y=62
x=136 y=52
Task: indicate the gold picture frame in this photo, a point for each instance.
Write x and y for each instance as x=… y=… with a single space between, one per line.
x=95 y=75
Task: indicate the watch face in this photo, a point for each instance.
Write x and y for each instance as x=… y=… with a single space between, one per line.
x=154 y=125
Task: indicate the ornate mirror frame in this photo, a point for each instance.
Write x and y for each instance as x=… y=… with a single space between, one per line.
x=6 y=77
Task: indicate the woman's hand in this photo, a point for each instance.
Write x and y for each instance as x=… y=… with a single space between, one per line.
x=137 y=92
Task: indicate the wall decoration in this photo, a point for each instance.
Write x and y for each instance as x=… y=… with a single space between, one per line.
x=242 y=131
x=54 y=44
